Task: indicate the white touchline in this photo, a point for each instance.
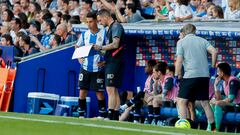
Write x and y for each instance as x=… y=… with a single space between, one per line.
x=92 y=125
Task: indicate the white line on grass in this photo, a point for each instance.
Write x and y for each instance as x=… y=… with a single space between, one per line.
x=92 y=125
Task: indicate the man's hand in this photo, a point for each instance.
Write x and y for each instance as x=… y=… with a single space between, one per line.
x=176 y=80
x=97 y=47
x=81 y=60
x=101 y=64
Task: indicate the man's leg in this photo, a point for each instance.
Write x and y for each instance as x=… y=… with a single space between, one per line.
x=101 y=104
x=209 y=113
x=157 y=102
x=111 y=101
x=117 y=105
x=182 y=107
x=82 y=102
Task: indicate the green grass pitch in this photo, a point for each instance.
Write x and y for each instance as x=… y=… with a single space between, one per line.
x=26 y=124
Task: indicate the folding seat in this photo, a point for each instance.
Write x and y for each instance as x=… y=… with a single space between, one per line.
x=3 y=81
x=8 y=92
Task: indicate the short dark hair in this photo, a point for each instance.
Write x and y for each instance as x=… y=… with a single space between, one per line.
x=74 y=21
x=66 y=17
x=92 y=15
x=57 y=38
x=50 y=23
x=17 y=21
x=90 y=2
x=26 y=39
x=8 y=38
x=104 y=12
x=151 y=63
x=47 y=15
x=225 y=68
x=36 y=24
x=132 y=7
x=171 y=68
x=161 y=66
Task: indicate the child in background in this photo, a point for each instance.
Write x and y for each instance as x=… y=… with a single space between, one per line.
x=217 y=12
x=2 y=62
x=161 y=10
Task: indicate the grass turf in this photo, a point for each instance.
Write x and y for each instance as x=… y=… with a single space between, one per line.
x=25 y=124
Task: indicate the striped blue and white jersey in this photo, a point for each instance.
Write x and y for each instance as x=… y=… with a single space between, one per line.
x=88 y=38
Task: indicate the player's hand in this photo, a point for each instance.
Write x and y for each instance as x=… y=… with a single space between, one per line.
x=101 y=64
x=97 y=47
x=81 y=60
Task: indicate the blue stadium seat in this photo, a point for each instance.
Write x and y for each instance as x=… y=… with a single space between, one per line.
x=166 y=111
x=237 y=117
x=229 y=117
x=174 y=112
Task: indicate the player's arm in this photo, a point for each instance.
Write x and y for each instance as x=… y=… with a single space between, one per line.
x=168 y=85
x=233 y=91
x=213 y=53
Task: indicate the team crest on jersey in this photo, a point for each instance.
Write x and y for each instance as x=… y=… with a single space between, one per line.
x=100 y=39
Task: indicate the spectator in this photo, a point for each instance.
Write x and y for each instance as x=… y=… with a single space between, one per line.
x=217 y=12
x=24 y=43
x=161 y=10
x=55 y=41
x=62 y=31
x=34 y=30
x=57 y=15
x=5 y=28
x=130 y=14
x=183 y=11
x=7 y=15
x=74 y=9
x=17 y=8
x=6 y=40
x=24 y=4
x=24 y=20
x=233 y=10
x=34 y=8
x=16 y=26
x=65 y=18
x=147 y=9
x=47 y=29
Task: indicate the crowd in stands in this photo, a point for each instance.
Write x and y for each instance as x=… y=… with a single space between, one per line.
x=35 y=25
x=32 y=26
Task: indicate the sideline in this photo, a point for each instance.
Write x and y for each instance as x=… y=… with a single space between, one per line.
x=92 y=125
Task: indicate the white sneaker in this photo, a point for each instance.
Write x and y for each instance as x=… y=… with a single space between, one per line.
x=123 y=107
x=135 y=121
x=106 y=119
x=100 y=118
